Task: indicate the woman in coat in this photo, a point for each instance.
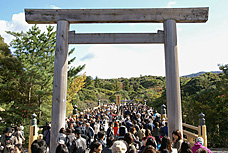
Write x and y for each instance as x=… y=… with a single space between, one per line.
x=177 y=139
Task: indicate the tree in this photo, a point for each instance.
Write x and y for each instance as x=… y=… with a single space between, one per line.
x=76 y=85
x=126 y=85
x=117 y=86
x=10 y=72
x=97 y=82
x=35 y=50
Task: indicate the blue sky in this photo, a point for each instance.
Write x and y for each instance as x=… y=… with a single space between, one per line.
x=201 y=46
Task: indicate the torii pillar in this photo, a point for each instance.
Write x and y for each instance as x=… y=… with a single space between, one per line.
x=60 y=82
x=168 y=16
x=173 y=95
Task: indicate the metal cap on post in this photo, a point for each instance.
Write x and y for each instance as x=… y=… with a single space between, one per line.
x=75 y=109
x=34 y=120
x=202 y=119
x=163 y=110
x=144 y=101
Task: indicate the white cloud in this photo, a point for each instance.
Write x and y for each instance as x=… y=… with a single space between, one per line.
x=171 y=3
x=54 y=7
x=17 y=24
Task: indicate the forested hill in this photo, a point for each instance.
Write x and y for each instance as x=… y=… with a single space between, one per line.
x=199 y=73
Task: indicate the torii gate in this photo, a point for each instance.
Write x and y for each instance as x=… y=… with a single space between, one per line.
x=64 y=17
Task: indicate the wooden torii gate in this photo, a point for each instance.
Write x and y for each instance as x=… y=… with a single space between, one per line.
x=64 y=17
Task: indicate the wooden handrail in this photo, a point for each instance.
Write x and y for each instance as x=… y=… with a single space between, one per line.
x=187 y=133
x=190 y=126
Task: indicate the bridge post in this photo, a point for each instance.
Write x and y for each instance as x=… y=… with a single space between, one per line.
x=75 y=111
x=163 y=111
x=60 y=82
x=202 y=132
x=33 y=131
x=172 y=78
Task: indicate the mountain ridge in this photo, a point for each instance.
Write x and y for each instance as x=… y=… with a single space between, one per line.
x=199 y=73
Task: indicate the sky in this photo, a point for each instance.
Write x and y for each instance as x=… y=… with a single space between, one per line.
x=201 y=46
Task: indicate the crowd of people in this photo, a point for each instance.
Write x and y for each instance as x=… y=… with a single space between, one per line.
x=131 y=128
x=12 y=140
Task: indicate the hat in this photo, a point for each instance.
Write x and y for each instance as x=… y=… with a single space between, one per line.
x=78 y=131
x=200 y=139
x=9 y=130
x=119 y=147
x=21 y=128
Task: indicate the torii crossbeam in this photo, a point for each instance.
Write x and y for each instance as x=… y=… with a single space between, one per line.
x=64 y=17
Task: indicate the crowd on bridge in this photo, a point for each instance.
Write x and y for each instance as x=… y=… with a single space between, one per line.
x=130 y=128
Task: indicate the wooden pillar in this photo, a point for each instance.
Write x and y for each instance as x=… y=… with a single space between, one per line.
x=172 y=78
x=202 y=129
x=60 y=82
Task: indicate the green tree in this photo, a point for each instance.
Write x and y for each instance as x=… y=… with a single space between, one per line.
x=35 y=50
x=117 y=85
x=98 y=83
x=10 y=72
x=126 y=85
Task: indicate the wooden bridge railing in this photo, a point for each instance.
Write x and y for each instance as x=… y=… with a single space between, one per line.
x=200 y=131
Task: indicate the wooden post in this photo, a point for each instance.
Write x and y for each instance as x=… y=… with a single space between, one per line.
x=60 y=82
x=202 y=132
x=172 y=78
x=33 y=131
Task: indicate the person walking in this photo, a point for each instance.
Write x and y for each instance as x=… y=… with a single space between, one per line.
x=101 y=137
x=185 y=147
x=79 y=144
x=110 y=131
x=199 y=144
x=8 y=141
x=38 y=146
x=95 y=147
x=46 y=136
x=18 y=136
x=89 y=133
x=61 y=135
x=109 y=143
x=177 y=139
x=166 y=145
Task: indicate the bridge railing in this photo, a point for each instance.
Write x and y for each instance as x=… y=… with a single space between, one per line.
x=190 y=136
x=199 y=131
